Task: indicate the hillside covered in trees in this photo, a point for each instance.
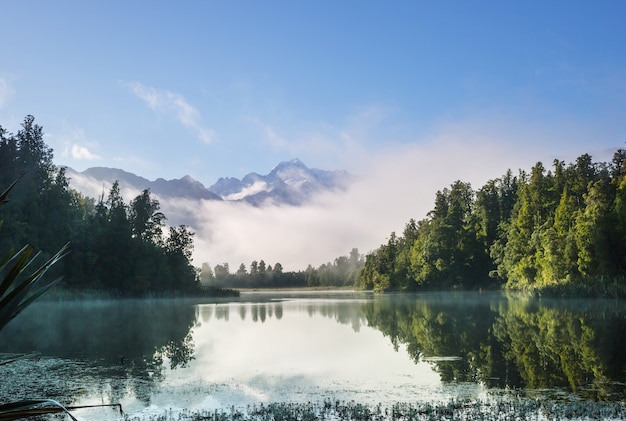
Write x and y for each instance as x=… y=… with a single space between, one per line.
x=123 y=249
x=555 y=232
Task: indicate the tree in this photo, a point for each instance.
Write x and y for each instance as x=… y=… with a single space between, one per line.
x=254 y=268
x=34 y=157
x=312 y=278
x=278 y=269
x=594 y=239
x=116 y=247
x=146 y=221
x=531 y=215
x=448 y=252
x=222 y=272
x=180 y=241
x=242 y=270
x=618 y=164
x=113 y=247
x=206 y=274
x=558 y=254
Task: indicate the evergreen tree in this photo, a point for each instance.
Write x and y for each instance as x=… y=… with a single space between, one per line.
x=114 y=246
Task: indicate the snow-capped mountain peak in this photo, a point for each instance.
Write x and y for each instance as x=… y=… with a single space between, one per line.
x=289 y=182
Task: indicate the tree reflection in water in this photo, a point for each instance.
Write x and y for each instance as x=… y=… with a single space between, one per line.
x=344 y=312
x=511 y=342
x=501 y=341
x=125 y=341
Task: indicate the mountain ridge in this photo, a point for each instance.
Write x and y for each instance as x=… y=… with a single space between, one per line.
x=185 y=187
x=288 y=183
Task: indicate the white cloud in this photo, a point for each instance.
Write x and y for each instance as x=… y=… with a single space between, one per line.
x=256 y=187
x=400 y=184
x=396 y=183
x=5 y=92
x=171 y=102
x=82 y=153
x=76 y=145
x=96 y=189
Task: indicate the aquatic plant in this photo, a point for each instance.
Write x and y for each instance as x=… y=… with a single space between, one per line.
x=501 y=409
x=18 y=289
x=33 y=407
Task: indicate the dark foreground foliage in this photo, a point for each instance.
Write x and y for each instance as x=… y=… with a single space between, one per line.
x=500 y=409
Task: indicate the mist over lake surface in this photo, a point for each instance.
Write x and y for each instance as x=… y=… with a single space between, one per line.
x=311 y=346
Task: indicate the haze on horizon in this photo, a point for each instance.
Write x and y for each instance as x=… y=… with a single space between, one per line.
x=399 y=187
x=409 y=96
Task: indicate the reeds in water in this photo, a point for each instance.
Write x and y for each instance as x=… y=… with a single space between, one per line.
x=501 y=409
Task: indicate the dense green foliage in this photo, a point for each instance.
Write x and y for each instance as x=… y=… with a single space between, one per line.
x=343 y=271
x=116 y=247
x=559 y=231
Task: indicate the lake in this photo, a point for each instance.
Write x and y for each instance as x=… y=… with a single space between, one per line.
x=293 y=346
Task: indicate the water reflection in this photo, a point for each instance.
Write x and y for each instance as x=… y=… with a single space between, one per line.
x=311 y=347
x=126 y=343
x=342 y=311
x=511 y=342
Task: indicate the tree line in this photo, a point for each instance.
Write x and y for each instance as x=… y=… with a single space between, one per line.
x=122 y=248
x=343 y=271
x=260 y=275
x=551 y=231
x=558 y=231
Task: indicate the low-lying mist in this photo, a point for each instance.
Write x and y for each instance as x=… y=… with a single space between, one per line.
x=394 y=184
x=391 y=188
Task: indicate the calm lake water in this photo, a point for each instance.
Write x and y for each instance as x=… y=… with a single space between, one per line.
x=307 y=347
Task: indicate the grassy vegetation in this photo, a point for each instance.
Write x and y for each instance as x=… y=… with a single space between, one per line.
x=589 y=287
x=498 y=409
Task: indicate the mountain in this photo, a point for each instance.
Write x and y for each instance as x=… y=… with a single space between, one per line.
x=95 y=181
x=289 y=182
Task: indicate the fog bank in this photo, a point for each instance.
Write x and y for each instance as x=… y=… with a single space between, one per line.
x=392 y=187
x=394 y=184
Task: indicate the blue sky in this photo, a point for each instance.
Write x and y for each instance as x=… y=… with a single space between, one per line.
x=212 y=89
x=409 y=95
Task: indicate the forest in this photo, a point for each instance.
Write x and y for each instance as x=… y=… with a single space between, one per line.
x=551 y=232
x=558 y=232
x=344 y=271
x=122 y=249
